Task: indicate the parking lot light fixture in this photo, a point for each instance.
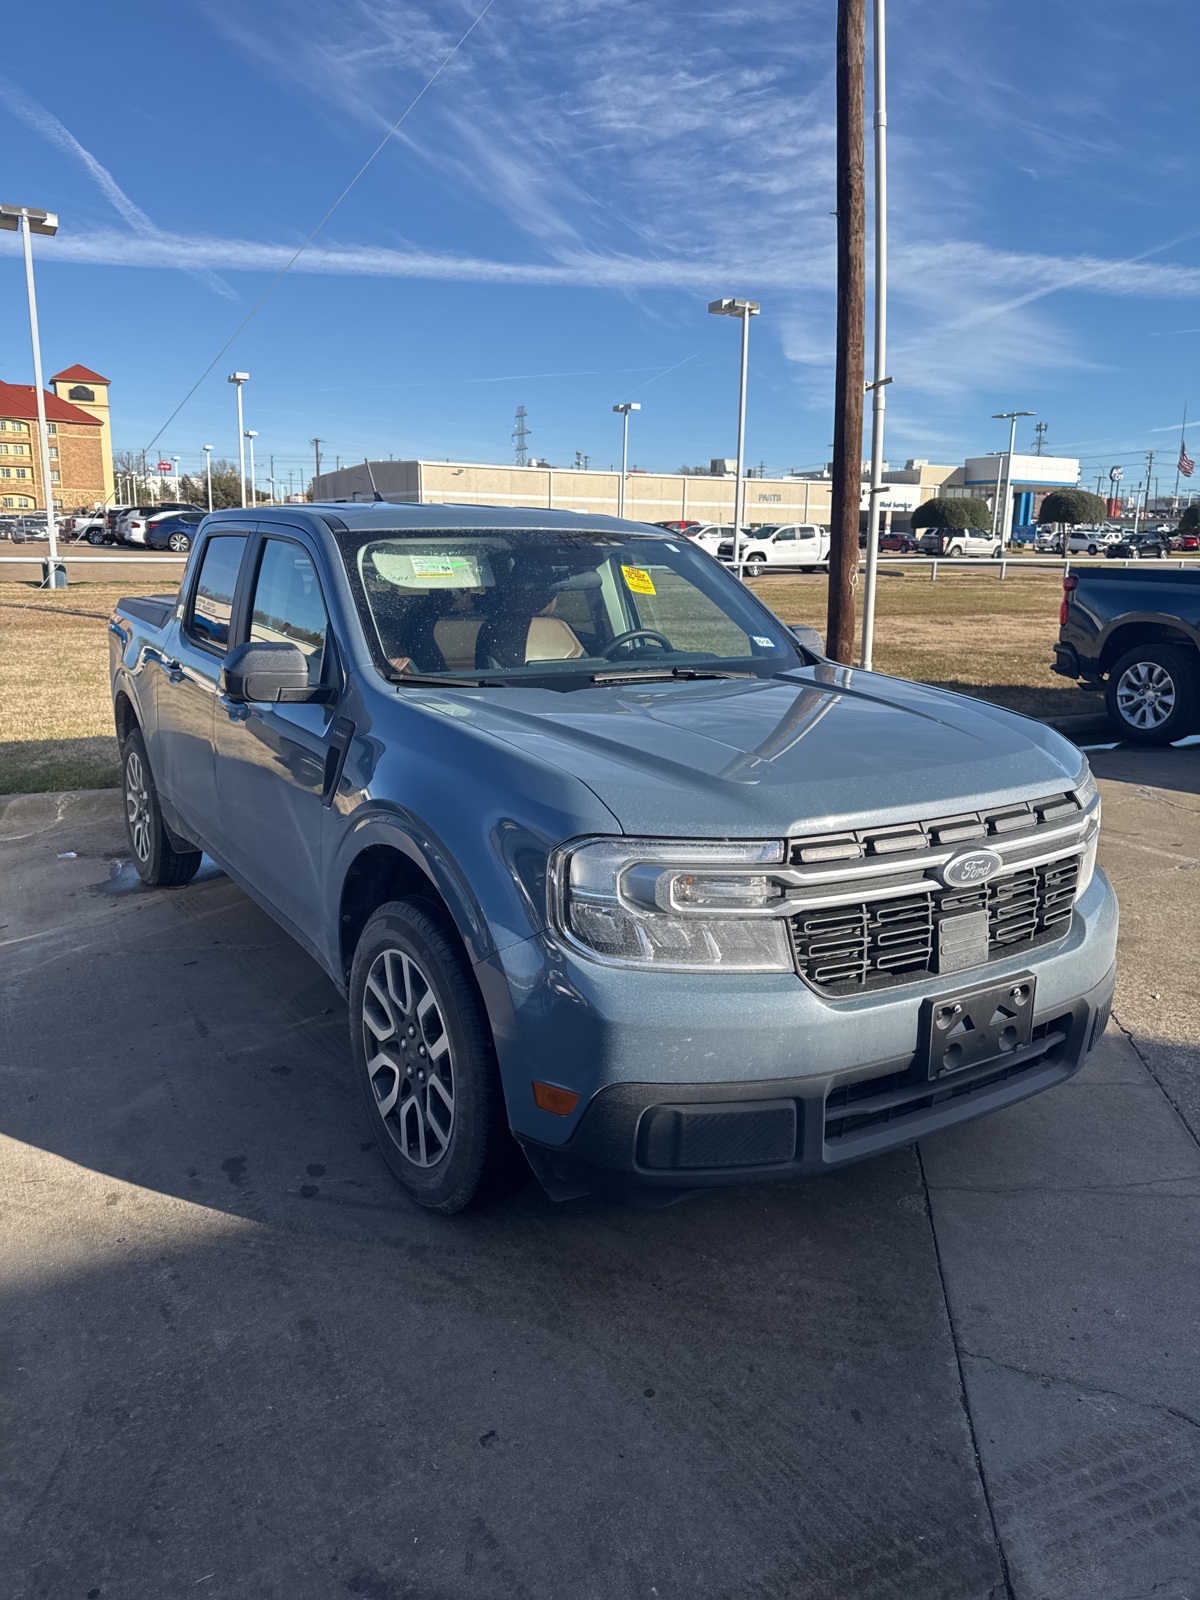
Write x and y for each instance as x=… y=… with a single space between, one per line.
x=1002 y=504
x=208 y=472
x=745 y=309
x=252 y=434
x=27 y=221
x=625 y=408
x=238 y=379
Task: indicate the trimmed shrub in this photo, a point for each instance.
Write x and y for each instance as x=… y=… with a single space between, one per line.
x=956 y=514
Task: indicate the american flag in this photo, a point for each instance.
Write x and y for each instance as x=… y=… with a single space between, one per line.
x=1186 y=465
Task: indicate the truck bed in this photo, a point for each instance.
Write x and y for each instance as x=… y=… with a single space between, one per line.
x=152 y=609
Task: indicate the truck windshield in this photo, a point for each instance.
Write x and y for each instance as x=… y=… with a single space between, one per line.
x=567 y=607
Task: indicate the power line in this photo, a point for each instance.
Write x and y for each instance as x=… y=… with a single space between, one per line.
x=274 y=284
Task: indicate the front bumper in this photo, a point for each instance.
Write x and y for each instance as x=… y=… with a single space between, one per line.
x=689 y=1083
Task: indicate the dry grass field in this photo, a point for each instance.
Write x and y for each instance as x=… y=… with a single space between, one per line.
x=968 y=631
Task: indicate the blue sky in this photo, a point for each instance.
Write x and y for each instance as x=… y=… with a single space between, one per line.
x=552 y=218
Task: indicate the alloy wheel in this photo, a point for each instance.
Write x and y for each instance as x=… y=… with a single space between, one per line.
x=410 y=1060
x=137 y=805
x=1146 y=695
x=179 y=542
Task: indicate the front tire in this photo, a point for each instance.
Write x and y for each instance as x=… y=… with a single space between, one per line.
x=755 y=566
x=157 y=860
x=1153 y=694
x=426 y=1062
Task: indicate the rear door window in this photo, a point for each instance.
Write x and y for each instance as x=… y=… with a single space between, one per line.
x=211 y=610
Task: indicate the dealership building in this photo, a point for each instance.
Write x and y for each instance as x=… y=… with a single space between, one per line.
x=649 y=496
x=702 y=497
x=1028 y=479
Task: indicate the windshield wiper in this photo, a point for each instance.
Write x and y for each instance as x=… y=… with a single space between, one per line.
x=667 y=674
x=430 y=680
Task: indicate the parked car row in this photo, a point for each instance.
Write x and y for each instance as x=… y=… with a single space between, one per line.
x=170 y=525
x=24 y=527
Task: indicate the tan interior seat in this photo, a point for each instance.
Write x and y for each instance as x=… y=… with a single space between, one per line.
x=456 y=638
x=552 y=639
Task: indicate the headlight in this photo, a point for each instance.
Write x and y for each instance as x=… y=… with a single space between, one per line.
x=1089 y=798
x=676 y=907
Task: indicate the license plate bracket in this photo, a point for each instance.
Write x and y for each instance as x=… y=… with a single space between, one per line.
x=976 y=1026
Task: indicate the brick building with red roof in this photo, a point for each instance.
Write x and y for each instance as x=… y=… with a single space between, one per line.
x=79 y=438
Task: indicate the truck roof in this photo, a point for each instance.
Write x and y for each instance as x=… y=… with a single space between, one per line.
x=385 y=515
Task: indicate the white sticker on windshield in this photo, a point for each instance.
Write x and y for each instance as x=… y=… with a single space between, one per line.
x=765 y=644
x=430 y=569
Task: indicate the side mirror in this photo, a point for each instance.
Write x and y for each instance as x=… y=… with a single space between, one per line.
x=270 y=672
x=809 y=638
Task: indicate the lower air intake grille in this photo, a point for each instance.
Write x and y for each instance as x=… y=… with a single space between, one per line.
x=871 y=944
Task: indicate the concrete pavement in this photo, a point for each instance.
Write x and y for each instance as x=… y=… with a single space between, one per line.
x=239 y=1363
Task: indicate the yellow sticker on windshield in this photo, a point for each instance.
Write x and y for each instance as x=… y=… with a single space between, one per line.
x=638 y=580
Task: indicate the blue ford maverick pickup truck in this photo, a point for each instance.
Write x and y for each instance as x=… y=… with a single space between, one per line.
x=613 y=868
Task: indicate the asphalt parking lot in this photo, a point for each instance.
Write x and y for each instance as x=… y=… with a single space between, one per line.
x=238 y=1363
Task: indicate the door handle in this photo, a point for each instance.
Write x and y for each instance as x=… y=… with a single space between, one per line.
x=172 y=668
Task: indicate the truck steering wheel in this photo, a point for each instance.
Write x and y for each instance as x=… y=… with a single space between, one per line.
x=637 y=633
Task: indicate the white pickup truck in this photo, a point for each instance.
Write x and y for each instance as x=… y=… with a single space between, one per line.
x=801 y=545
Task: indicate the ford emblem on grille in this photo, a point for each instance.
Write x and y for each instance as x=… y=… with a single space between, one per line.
x=970 y=867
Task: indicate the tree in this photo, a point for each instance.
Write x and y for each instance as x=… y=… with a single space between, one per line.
x=956 y=514
x=1072 y=506
x=1189 y=522
x=226 y=487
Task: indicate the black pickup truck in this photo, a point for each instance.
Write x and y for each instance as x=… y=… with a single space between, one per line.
x=1138 y=634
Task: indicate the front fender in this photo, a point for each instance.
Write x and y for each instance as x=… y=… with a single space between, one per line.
x=389 y=825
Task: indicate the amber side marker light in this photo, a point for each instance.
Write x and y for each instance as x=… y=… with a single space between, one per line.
x=549 y=1098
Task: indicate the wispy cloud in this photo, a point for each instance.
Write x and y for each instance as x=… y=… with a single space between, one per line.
x=917 y=272
x=47 y=125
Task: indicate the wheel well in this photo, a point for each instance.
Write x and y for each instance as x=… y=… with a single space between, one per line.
x=124 y=716
x=382 y=873
x=1136 y=633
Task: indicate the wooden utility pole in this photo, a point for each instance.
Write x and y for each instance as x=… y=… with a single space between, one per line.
x=851 y=311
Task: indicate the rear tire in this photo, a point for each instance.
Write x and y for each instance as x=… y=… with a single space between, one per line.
x=426 y=1062
x=157 y=860
x=96 y=536
x=955 y=552
x=1153 y=694
x=179 y=543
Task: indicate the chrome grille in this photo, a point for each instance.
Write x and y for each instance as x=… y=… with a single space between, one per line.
x=873 y=943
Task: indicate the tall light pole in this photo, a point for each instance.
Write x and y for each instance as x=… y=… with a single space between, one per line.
x=238 y=379
x=252 y=434
x=208 y=472
x=878 y=386
x=745 y=309
x=178 y=480
x=1011 y=418
x=27 y=221
x=624 y=409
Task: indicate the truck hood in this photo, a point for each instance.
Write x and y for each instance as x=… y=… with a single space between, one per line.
x=770 y=757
